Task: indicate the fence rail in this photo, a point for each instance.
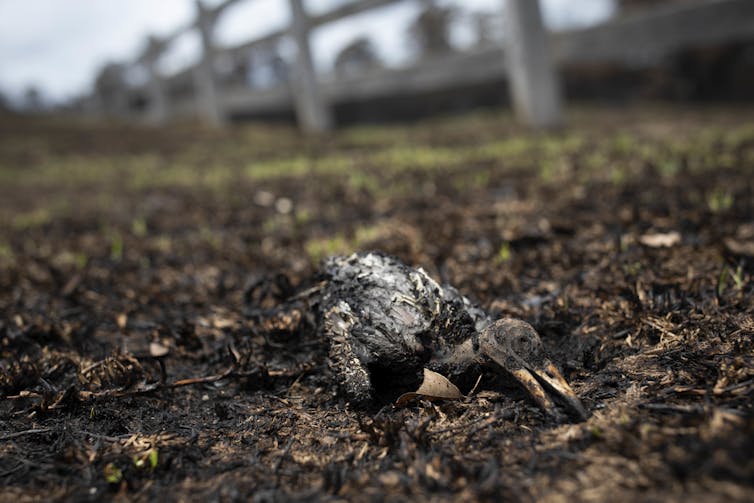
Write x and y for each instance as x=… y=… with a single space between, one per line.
x=639 y=40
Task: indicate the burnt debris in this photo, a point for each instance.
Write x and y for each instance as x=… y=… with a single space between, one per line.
x=385 y=319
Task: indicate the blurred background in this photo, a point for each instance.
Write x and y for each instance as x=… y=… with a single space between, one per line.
x=355 y=61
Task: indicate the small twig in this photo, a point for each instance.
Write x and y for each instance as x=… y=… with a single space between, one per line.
x=23 y=394
x=201 y=380
x=281 y=400
x=103 y=437
x=665 y=407
x=652 y=323
x=13 y=470
x=284 y=455
x=93 y=366
x=310 y=292
x=9 y=436
x=684 y=390
x=161 y=385
x=295 y=382
x=734 y=387
x=478 y=380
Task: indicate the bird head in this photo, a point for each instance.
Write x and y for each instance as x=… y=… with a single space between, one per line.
x=516 y=347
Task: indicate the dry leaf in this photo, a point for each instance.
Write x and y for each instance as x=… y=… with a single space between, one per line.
x=745 y=231
x=221 y=323
x=71 y=285
x=661 y=239
x=157 y=350
x=434 y=386
x=722 y=423
x=736 y=247
x=122 y=320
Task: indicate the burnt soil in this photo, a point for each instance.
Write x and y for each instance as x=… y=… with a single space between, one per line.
x=131 y=260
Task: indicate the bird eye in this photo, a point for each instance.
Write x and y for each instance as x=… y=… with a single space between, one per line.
x=522 y=345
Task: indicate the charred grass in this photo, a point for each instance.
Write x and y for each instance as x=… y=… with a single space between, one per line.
x=130 y=259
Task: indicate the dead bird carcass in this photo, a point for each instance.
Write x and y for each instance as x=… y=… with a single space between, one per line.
x=384 y=318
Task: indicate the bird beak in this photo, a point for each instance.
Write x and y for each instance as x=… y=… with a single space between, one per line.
x=548 y=375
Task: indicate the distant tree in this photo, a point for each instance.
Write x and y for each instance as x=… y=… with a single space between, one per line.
x=430 y=31
x=357 y=57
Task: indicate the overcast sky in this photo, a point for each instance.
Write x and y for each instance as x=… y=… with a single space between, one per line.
x=58 y=45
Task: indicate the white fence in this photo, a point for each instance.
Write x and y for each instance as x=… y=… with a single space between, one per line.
x=311 y=100
x=638 y=40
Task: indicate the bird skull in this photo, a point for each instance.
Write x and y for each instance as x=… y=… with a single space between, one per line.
x=516 y=347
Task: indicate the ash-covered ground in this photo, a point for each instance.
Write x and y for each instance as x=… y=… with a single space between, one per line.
x=130 y=259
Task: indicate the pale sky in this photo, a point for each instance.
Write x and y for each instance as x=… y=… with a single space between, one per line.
x=58 y=45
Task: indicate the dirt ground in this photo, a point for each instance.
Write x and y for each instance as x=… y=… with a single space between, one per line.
x=130 y=259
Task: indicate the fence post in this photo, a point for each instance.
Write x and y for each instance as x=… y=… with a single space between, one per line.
x=158 y=99
x=110 y=97
x=208 y=104
x=312 y=111
x=533 y=82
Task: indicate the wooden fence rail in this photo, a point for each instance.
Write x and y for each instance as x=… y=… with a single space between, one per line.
x=641 y=39
x=311 y=102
